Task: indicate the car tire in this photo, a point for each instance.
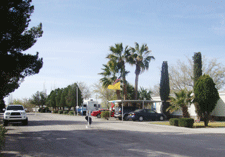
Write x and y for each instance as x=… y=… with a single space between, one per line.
x=5 y=123
x=120 y=118
x=161 y=118
x=98 y=116
x=141 y=118
x=25 y=122
x=125 y=117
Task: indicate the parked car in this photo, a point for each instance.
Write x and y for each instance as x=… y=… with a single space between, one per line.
x=126 y=111
x=145 y=114
x=15 y=113
x=98 y=113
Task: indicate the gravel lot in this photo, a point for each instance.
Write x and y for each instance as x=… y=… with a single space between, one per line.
x=61 y=135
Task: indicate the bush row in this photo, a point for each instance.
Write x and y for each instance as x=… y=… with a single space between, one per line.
x=183 y=122
x=105 y=114
x=64 y=112
x=2 y=136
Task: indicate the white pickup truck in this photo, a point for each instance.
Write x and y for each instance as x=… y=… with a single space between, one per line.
x=15 y=113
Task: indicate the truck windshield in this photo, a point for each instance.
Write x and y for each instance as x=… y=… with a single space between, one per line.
x=14 y=108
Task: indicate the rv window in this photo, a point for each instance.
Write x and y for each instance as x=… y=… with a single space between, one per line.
x=95 y=105
x=84 y=105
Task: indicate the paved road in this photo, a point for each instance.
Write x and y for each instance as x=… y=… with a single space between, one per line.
x=60 y=135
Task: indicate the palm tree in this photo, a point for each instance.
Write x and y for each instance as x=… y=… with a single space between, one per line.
x=141 y=59
x=144 y=94
x=119 y=55
x=109 y=76
x=181 y=100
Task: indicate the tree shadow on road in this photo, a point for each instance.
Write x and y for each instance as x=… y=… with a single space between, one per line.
x=103 y=142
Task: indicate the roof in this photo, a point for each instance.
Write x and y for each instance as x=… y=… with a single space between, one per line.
x=115 y=101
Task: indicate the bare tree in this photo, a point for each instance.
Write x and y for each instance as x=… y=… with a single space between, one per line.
x=104 y=94
x=181 y=75
x=155 y=90
x=84 y=90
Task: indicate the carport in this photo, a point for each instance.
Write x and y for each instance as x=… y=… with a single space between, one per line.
x=132 y=101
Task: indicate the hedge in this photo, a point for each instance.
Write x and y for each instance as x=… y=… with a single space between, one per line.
x=65 y=112
x=60 y=112
x=2 y=136
x=105 y=114
x=55 y=111
x=71 y=113
x=174 y=121
x=186 y=122
x=183 y=122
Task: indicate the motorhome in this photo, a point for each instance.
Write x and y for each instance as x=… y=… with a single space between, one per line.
x=88 y=105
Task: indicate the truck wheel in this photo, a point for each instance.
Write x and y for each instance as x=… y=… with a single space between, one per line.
x=25 y=122
x=5 y=123
x=98 y=116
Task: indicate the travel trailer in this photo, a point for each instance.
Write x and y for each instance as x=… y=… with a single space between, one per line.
x=88 y=105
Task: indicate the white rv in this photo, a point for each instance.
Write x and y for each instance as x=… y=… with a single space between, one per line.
x=91 y=105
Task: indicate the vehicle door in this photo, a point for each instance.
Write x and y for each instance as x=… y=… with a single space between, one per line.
x=151 y=114
x=144 y=113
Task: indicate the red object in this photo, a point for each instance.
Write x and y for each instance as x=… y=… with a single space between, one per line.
x=96 y=113
x=112 y=105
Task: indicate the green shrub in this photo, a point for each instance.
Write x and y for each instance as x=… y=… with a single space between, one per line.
x=186 y=122
x=60 y=112
x=71 y=112
x=44 y=110
x=55 y=111
x=174 y=121
x=41 y=110
x=65 y=112
x=2 y=136
x=105 y=114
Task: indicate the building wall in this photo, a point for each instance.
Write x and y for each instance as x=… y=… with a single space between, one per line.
x=219 y=110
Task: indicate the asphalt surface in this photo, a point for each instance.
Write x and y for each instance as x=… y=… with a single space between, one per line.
x=61 y=135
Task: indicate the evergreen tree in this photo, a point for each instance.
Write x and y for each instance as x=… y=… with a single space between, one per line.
x=164 y=88
x=63 y=97
x=71 y=98
x=58 y=97
x=206 y=95
x=15 y=37
x=197 y=58
x=2 y=105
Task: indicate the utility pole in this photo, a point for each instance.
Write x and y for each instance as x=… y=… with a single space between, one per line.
x=77 y=102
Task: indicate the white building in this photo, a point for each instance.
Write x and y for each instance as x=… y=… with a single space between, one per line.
x=218 y=113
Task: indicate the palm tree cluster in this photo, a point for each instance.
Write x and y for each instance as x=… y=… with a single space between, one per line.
x=139 y=56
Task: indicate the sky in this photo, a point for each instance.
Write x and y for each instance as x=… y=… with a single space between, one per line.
x=77 y=36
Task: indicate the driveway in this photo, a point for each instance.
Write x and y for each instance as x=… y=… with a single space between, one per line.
x=61 y=135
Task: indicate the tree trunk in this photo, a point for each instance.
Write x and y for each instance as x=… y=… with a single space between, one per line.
x=185 y=112
x=137 y=72
x=124 y=83
x=164 y=107
x=206 y=119
x=124 y=89
x=118 y=94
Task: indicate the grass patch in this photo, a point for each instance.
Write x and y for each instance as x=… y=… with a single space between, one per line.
x=197 y=125
x=160 y=123
x=210 y=125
